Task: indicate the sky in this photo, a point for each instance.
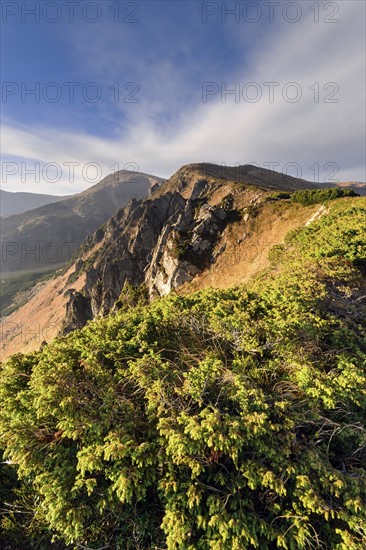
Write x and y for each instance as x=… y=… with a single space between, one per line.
x=89 y=87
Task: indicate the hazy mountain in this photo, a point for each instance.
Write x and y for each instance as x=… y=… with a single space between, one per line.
x=205 y=226
x=16 y=203
x=47 y=236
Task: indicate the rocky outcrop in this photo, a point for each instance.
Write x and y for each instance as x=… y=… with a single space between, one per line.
x=322 y=210
x=167 y=239
x=78 y=312
x=161 y=242
x=185 y=247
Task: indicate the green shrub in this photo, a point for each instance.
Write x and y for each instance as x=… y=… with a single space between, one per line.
x=276 y=253
x=340 y=233
x=181 y=245
x=227 y=419
x=132 y=296
x=280 y=195
x=308 y=197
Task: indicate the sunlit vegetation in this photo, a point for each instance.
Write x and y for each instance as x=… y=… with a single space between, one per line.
x=314 y=196
x=227 y=419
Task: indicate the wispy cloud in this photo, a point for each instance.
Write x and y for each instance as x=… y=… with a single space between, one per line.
x=171 y=126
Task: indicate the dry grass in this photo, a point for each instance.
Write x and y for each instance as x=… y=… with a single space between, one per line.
x=42 y=317
x=242 y=259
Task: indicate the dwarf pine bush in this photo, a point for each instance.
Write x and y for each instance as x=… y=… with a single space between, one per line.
x=307 y=197
x=226 y=419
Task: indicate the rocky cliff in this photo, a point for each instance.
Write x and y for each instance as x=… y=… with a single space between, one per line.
x=170 y=238
x=207 y=225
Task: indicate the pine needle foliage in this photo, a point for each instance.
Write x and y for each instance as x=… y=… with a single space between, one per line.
x=225 y=420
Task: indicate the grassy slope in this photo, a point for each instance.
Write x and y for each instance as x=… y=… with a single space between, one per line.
x=239 y=262
x=13 y=289
x=226 y=419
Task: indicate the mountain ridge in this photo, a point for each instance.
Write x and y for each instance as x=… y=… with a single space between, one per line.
x=195 y=229
x=51 y=233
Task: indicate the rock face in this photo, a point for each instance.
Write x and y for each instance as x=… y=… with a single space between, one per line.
x=78 y=312
x=127 y=246
x=184 y=247
x=168 y=238
x=161 y=242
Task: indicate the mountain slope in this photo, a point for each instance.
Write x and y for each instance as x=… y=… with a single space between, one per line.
x=48 y=236
x=16 y=203
x=196 y=230
x=226 y=419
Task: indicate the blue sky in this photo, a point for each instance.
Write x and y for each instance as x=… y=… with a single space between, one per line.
x=163 y=57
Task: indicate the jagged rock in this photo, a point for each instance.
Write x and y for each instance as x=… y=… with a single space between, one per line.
x=153 y=188
x=162 y=242
x=198 y=188
x=78 y=265
x=78 y=312
x=219 y=213
x=147 y=236
x=201 y=245
x=69 y=292
x=255 y=200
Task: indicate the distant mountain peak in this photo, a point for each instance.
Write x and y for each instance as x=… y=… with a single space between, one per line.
x=208 y=225
x=67 y=222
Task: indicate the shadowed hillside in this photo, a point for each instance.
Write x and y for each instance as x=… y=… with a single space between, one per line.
x=48 y=236
x=16 y=203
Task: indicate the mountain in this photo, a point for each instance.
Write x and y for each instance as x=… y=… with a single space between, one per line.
x=16 y=203
x=227 y=419
x=205 y=226
x=46 y=237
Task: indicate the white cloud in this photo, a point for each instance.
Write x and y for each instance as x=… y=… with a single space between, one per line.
x=304 y=132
